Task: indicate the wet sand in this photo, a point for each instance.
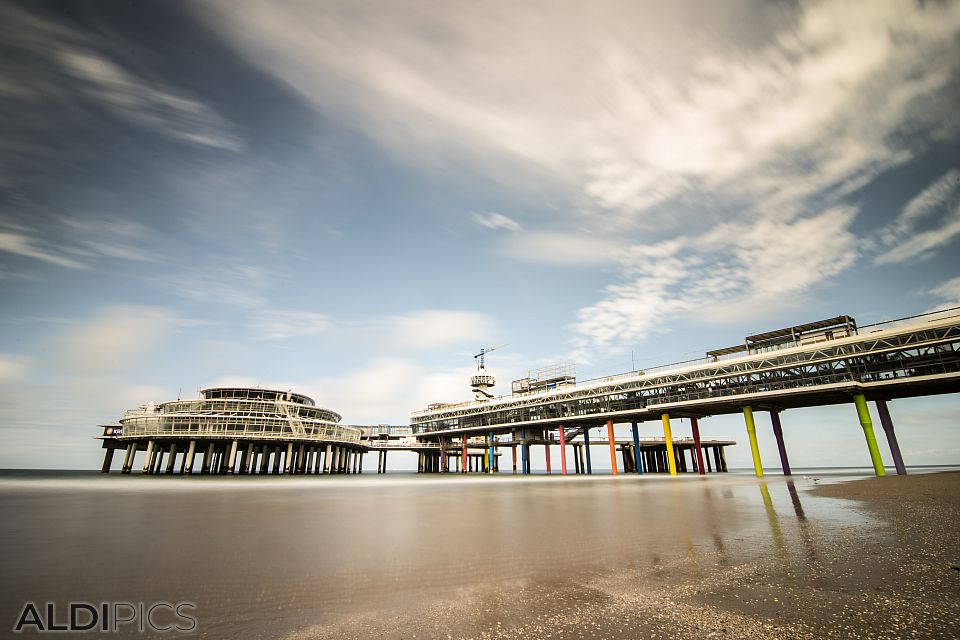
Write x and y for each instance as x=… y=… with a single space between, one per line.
x=724 y=556
x=888 y=568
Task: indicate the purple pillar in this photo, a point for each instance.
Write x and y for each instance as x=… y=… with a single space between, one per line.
x=778 y=433
x=887 y=425
x=695 y=428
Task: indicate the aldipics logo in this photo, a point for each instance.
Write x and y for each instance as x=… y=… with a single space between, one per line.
x=154 y=617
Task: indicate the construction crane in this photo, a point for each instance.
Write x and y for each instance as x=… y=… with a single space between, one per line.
x=482 y=381
x=485 y=351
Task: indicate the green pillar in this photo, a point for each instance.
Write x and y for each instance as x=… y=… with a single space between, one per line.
x=752 y=434
x=864 y=413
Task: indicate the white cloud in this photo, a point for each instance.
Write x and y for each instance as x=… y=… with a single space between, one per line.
x=387 y=390
x=435 y=328
x=13 y=368
x=30 y=247
x=278 y=324
x=667 y=119
x=161 y=109
x=115 y=339
x=563 y=248
x=496 y=221
x=948 y=292
x=901 y=241
x=733 y=267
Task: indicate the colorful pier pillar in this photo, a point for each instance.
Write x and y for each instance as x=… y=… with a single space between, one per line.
x=466 y=464
x=563 y=452
x=863 y=412
x=752 y=434
x=668 y=440
x=778 y=434
x=887 y=423
x=613 y=447
x=586 y=448
x=490 y=453
x=695 y=429
x=546 y=453
x=637 y=454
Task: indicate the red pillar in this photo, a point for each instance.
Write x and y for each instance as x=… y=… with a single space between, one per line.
x=547 y=453
x=563 y=452
x=613 y=447
x=696 y=445
x=466 y=463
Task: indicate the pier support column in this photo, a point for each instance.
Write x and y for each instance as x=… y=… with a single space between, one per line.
x=668 y=441
x=887 y=423
x=173 y=458
x=863 y=412
x=465 y=464
x=546 y=453
x=148 y=461
x=491 y=453
x=128 y=459
x=752 y=435
x=326 y=460
x=781 y=447
x=613 y=447
x=245 y=459
x=695 y=429
x=207 y=459
x=232 y=458
x=637 y=454
x=586 y=448
x=301 y=459
x=287 y=458
x=107 y=461
x=563 y=452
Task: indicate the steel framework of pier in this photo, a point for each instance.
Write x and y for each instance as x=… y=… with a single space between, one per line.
x=920 y=356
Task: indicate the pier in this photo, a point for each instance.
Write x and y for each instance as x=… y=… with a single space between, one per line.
x=252 y=431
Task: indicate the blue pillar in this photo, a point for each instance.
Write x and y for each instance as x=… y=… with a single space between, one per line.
x=586 y=448
x=636 y=448
x=490 y=456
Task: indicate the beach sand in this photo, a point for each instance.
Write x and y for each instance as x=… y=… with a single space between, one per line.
x=879 y=558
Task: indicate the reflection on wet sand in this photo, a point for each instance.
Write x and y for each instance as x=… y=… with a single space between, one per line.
x=325 y=553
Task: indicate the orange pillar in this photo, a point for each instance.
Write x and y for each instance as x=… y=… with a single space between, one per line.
x=613 y=447
x=563 y=452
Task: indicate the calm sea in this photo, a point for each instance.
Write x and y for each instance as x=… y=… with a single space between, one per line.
x=264 y=557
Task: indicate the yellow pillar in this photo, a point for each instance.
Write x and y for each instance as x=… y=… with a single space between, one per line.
x=668 y=438
x=752 y=434
x=863 y=412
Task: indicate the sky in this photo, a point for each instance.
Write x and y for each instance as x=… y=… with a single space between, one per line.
x=351 y=199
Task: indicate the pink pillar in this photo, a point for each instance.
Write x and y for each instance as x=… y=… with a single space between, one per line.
x=563 y=452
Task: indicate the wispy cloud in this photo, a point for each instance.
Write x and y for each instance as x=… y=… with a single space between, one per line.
x=161 y=109
x=115 y=339
x=939 y=203
x=29 y=246
x=13 y=368
x=740 y=144
x=280 y=324
x=437 y=328
x=733 y=267
x=496 y=221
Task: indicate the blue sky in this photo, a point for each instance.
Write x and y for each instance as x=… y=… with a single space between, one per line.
x=351 y=199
